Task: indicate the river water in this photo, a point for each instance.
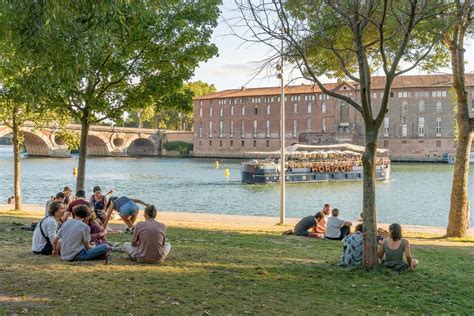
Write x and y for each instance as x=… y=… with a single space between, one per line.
x=416 y=193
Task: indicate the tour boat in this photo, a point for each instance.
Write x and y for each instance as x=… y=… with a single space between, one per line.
x=313 y=163
x=451 y=157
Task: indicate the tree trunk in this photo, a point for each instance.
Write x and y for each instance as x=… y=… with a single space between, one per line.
x=81 y=170
x=369 y=210
x=16 y=166
x=459 y=208
x=458 y=212
x=156 y=120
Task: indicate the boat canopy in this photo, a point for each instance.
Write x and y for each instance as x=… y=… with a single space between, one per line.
x=346 y=149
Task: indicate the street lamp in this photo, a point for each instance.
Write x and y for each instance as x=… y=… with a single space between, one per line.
x=282 y=139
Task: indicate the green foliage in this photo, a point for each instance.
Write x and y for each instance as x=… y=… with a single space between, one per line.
x=182 y=147
x=71 y=139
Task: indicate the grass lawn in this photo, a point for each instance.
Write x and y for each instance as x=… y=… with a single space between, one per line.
x=219 y=272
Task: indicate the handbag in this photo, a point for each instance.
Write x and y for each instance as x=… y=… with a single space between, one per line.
x=48 y=248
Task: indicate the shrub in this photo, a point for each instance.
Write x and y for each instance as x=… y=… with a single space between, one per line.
x=182 y=147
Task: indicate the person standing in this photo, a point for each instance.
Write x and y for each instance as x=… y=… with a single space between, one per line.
x=149 y=243
x=75 y=238
x=45 y=231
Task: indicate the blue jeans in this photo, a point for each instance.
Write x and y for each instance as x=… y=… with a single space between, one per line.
x=128 y=209
x=93 y=253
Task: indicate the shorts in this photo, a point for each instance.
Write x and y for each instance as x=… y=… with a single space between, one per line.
x=128 y=209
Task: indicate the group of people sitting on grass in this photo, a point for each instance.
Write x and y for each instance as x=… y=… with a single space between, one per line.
x=327 y=224
x=77 y=229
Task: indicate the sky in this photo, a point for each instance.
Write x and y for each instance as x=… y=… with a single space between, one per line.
x=238 y=62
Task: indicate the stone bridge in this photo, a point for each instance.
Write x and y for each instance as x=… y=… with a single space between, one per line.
x=103 y=141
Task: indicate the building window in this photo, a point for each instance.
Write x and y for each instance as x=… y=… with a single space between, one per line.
x=232 y=110
x=385 y=143
x=310 y=108
x=323 y=125
x=200 y=129
x=254 y=128
x=405 y=106
x=255 y=110
x=220 y=143
x=439 y=106
x=210 y=143
x=222 y=111
x=254 y=143
x=200 y=143
x=200 y=112
x=267 y=128
x=268 y=108
x=243 y=109
x=231 y=129
x=210 y=129
x=242 y=129
x=374 y=95
x=443 y=94
x=221 y=128
x=210 y=112
x=295 y=108
x=295 y=128
x=421 y=106
x=438 y=143
x=391 y=94
x=472 y=105
x=231 y=143
x=404 y=127
x=421 y=126
x=242 y=143
x=344 y=114
x=439 y=127
x=386 y=126
x=324 y=108
x=308 y=124
x=267 y=143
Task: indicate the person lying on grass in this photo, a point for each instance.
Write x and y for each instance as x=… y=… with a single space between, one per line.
x=45 y=231
x=307 y=223
x=392 y=249
x=336 y=228
x=75 y=238
x=149 y=243
x=127 y=208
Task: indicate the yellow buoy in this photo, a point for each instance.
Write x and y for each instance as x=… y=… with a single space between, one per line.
x=216 y=164
x=226 y=172
x=74 y=171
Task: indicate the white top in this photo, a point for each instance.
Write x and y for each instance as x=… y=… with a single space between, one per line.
x=49 y=226
x=333 y=227
x=73 y=233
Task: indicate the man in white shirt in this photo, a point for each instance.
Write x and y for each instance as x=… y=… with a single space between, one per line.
x=45 y=231
x=337 y=229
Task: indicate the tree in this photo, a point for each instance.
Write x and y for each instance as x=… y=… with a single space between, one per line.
x=100 y=59
x=350 y=40
x=16 y=109
x=462 y=13
x=174 y=111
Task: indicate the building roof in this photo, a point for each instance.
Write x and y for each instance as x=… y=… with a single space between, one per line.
x=400 y=82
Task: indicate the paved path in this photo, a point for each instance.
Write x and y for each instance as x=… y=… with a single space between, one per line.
x=242 y=223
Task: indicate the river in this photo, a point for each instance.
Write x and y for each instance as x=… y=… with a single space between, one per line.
x=416 y=194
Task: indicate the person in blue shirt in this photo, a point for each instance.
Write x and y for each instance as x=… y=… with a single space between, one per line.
x=126 y=207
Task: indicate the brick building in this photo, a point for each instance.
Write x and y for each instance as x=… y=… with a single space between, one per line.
x=419 y=124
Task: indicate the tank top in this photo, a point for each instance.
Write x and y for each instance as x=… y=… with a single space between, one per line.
x=394 y=257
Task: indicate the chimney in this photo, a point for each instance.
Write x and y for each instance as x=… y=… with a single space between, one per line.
x=242 y=88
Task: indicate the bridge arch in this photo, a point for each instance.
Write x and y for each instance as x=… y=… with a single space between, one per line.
x=4 y=131
x=37 y=144
x=141 y=146
x=97 y=146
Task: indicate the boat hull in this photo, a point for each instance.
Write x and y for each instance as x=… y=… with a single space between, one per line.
x=252 y=175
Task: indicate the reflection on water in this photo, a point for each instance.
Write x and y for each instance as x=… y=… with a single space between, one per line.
x=416 y=193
